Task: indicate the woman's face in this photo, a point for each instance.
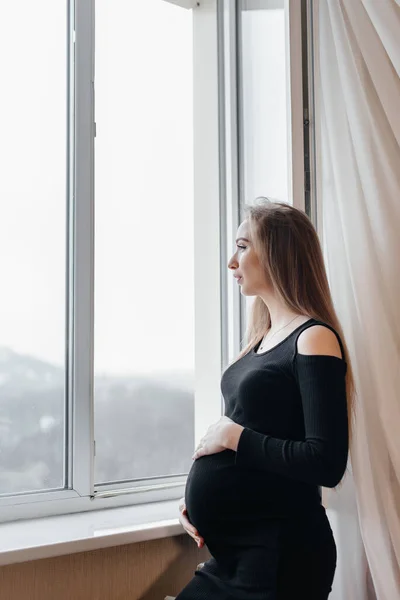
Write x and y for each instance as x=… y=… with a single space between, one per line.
x=246 y=266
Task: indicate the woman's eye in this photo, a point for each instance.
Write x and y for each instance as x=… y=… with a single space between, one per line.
x=242 y=247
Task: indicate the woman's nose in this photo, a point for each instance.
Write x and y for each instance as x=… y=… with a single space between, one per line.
x=232 y=264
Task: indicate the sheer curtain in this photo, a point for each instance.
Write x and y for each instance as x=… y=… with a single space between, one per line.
x=358 y=148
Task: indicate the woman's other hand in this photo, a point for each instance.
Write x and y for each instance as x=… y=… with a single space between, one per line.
x=187 y=526
x=222 y=435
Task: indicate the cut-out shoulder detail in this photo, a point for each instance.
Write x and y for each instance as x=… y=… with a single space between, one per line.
x=318 y=340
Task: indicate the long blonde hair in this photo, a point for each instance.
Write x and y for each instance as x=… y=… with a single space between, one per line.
x=288 y=248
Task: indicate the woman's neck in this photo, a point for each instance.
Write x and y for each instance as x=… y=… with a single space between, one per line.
x=280 y=314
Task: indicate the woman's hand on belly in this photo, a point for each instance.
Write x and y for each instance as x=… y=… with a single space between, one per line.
x=187 y=526
x=218 y=437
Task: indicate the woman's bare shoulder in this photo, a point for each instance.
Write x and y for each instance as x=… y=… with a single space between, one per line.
x=319 y=340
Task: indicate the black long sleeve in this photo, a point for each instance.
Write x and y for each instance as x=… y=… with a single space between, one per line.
x=320 y=458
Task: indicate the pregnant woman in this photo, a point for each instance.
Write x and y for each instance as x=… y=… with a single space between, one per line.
x=253 y=492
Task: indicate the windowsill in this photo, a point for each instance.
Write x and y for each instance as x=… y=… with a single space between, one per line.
x=67 y=534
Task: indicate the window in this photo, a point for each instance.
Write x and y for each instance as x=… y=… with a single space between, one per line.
x=33 y=227
x=144 y=253
x=264 y=100
x=125 y=166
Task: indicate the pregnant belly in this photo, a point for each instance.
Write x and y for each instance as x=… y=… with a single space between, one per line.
x=221 y=497
x=211 y=492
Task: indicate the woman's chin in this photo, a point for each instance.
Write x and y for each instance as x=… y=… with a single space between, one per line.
x=244 y=290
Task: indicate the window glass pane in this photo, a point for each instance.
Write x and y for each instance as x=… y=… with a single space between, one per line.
x=33 y=107
x=144 y=298
x=264 y=100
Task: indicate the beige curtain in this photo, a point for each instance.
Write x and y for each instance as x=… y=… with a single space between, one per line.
x=358 y=151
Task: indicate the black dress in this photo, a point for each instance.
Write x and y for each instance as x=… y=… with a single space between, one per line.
x=259 y=508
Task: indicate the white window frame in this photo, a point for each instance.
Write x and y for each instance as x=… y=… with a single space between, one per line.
x=216 y=217
x=208 y=219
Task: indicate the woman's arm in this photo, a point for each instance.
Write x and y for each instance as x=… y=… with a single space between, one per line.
x=322 y=457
